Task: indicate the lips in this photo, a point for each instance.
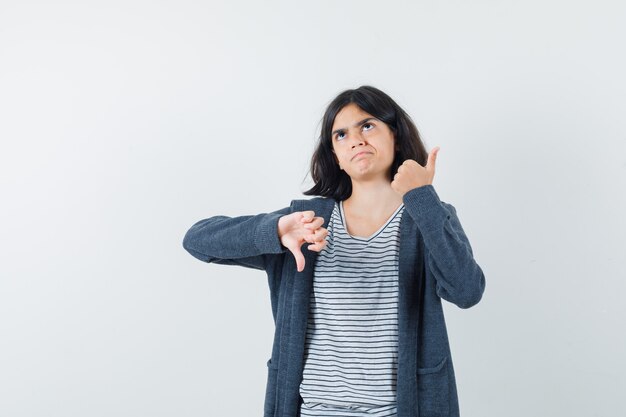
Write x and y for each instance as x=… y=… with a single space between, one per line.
x=360 y=153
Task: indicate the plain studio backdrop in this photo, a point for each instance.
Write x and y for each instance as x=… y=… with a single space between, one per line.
x=122 y=123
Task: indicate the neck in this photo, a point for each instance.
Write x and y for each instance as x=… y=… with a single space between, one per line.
x=373 y=195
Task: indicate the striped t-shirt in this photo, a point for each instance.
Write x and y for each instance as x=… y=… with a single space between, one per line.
x=351 y=347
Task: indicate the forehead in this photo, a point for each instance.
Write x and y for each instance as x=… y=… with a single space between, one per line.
x=348 y=115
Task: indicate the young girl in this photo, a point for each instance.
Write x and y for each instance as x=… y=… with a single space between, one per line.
x=357 y=273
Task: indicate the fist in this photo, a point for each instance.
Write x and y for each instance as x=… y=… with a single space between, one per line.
x=411 y=175
x=301 y=227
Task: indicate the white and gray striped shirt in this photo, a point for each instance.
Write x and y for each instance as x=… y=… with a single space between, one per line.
x=351 y=348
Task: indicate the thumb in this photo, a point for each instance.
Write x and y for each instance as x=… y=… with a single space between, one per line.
x=432 y=159
x=299 y=258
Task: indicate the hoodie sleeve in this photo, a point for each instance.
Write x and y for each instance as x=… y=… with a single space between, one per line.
x=450 y=258
x=245 y=240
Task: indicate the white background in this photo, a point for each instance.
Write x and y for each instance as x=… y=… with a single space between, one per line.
x=122 y=123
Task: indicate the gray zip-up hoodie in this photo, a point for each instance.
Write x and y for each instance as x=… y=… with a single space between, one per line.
x=435 y=262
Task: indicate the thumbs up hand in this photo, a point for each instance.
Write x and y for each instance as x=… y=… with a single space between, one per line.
x=411 y=174
x=302 y=226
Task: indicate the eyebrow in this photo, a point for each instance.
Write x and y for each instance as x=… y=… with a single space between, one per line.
x=355 y=125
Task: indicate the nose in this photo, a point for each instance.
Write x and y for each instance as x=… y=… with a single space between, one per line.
x=358 y=139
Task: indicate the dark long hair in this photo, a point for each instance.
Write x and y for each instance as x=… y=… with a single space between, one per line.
x=330 y=180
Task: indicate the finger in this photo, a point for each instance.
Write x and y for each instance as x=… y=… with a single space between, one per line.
x=314 y=224
x=307 y=216
x=317 y=237
x=317 y=246
x=314 y=238
x=320 y=234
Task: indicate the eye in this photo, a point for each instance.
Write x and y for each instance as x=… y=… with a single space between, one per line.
x=368 y=124
x=339 y=134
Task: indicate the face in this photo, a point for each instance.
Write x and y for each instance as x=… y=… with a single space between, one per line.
x=355 y=131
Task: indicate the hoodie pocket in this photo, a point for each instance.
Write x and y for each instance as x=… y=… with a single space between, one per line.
x=433 y=390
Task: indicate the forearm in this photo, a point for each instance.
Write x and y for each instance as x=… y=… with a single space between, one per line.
x=220 y=238
x=450 y=257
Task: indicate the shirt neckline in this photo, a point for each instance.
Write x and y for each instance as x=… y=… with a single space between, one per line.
x=345 y=227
